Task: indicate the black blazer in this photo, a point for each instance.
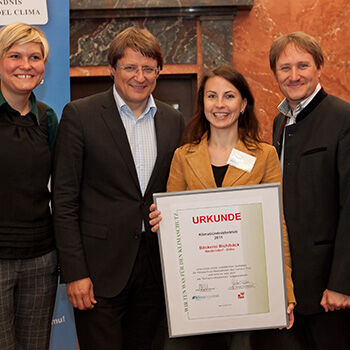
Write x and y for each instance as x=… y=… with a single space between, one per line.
x=316 y=191
x=98 y=205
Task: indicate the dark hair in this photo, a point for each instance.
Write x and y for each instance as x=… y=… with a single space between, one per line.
x=299 y=39
x=248 y=125
x=137 y=39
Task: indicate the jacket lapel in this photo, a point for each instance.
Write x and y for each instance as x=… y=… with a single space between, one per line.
x=233 y=174
x=111 y=117
x=278 y=127
x=199 y=161
x=162 y=135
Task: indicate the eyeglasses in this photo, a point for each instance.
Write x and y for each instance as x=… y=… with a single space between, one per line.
x=146 y=70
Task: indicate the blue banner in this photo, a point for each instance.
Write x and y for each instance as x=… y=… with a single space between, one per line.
x=55 y=91
x=63 y=335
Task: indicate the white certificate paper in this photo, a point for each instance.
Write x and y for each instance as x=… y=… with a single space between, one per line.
x=222 y=259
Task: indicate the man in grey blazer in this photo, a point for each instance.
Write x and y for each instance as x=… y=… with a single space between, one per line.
x=312 y=136
x=113 y=151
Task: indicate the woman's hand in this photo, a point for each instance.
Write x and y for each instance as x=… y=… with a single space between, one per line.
x=290 y=312
x=155 y=218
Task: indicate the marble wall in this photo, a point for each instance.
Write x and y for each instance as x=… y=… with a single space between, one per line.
x=216 y=42
x=107 y=4
x=92 y=29
x=90 y=38
x=254 y=31
x=256 y=23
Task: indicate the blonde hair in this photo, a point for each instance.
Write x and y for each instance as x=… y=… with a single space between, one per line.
x=22 y=33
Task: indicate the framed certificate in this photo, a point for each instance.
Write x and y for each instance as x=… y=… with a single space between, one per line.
x=222 y=259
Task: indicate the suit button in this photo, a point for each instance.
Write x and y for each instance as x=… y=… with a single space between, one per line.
x=137 y=235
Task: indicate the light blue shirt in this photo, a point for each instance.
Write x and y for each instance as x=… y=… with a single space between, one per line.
x=142 y=138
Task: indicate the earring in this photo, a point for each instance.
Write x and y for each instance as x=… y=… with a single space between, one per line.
x=42 y=82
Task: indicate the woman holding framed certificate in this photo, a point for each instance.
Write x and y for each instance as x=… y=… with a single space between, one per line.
x=221 y=147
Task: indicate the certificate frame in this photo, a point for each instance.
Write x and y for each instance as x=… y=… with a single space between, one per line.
x=222 y=259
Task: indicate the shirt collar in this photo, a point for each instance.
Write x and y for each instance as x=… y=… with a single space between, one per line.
x=34 y=110
x=285 y=109
x=122 y=106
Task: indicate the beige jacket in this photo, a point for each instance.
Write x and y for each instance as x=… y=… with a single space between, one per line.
x=191 y=170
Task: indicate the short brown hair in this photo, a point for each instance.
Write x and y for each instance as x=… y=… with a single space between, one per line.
x=22 y=33
x=248 y=125
x=137 y=39
x=301 y=40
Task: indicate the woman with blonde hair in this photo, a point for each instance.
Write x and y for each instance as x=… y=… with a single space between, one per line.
x=28 y=262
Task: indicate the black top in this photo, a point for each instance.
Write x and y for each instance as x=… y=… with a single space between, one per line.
x=25 y=158
x=219 y=173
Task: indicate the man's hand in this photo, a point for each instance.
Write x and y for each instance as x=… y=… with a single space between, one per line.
x=332 y=300
x=81 y=294
x=155 y=217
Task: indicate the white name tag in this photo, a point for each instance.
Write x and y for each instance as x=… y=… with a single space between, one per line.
x=241 y=160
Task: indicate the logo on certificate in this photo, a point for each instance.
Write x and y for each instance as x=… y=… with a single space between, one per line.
x=240 y=295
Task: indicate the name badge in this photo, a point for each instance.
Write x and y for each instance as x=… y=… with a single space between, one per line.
x=241 y=160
